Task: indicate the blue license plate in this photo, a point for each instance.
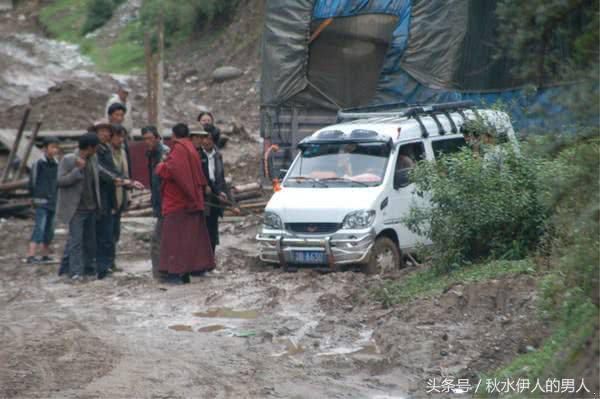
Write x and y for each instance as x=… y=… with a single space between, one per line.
x=309 y=257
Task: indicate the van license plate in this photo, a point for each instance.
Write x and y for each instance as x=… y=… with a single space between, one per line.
x=309 y=257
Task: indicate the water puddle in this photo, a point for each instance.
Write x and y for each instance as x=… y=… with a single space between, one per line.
x=227 y=313
x=181 y=327
x=213 y=328
x=291 y=348
x=363 y=346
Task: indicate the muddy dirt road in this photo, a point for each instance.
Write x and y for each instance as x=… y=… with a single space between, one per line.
x=246 y=331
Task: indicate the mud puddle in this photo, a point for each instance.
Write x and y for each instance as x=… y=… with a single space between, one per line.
x=181 y=327
x=227 y=313
x=213 y=328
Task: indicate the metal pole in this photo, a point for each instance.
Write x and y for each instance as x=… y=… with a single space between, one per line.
x=15 y=148
x=32 y=139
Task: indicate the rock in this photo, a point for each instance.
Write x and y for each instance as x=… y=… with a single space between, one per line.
x=530 y=348
x=445 y=337
x=443 y=353
x=226 y=73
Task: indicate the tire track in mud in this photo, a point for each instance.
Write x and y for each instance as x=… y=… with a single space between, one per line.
x=45 y=347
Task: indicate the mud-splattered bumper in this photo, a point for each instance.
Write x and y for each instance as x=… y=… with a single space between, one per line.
x=352 y=247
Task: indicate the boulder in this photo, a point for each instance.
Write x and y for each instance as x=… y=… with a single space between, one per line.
x=226 y=73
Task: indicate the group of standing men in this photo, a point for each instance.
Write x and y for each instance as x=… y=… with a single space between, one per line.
x=89 y=190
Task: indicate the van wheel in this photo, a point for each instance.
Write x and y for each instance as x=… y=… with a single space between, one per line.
x=385 y=257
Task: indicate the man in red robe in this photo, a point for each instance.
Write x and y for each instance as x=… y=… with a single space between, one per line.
x=185 y=244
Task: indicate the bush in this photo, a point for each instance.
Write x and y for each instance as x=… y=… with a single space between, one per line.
x=573 y=244
x=182 y=18
x=98 y=13
x=480 y=207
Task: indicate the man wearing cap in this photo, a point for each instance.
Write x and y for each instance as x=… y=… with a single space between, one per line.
x=121 y=97
x=110 y=178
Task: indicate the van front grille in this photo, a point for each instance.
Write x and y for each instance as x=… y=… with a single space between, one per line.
x=313 y=228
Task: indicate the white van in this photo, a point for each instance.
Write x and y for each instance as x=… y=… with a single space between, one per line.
x=343 y=199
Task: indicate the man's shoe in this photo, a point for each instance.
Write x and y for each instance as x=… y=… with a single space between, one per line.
x=47 y=259
x=173 y=279
x=31 y=260
x=185 y=279
x=102 y=275
x=115 y=269
x=76 y=278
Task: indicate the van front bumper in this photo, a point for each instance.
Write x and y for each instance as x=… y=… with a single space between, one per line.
x=340 y=248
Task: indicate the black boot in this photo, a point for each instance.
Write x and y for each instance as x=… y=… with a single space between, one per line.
x=185 y=279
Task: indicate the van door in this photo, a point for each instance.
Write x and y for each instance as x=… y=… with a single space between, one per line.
x=402 y=195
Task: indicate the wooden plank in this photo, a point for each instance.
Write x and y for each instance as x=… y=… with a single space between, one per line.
x=14 y=185
x=28 y=150
x=7 y=139
x=14 y=148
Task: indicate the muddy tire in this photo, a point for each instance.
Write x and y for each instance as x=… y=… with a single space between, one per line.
x=385 y=257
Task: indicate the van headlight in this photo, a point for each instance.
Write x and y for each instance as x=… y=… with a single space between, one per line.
x=272 y=220
x=359 y=219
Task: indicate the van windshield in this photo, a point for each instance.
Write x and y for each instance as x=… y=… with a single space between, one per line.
x=340 y=165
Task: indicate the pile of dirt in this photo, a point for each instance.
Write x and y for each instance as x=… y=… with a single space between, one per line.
x=467 y=331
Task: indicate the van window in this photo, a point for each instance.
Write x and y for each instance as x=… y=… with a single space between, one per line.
x=448 y=146
x=408 y=156
x=343 y=164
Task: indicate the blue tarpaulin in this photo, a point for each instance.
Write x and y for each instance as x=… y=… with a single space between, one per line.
x=395 y=84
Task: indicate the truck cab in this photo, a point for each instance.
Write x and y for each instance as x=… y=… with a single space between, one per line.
x=344 y=197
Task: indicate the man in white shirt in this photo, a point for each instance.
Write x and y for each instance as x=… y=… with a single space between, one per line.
x=121 y=97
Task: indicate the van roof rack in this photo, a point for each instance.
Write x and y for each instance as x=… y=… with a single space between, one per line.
x=403 y=110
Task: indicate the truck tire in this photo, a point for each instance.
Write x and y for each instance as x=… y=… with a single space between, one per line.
x=385 y=257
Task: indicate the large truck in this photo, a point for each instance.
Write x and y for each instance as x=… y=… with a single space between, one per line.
x=320 y=56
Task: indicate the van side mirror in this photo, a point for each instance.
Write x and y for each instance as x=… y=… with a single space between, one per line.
x=401 y=178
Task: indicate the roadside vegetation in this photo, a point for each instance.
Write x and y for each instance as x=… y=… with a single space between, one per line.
x=76 y=22
x=537 y=211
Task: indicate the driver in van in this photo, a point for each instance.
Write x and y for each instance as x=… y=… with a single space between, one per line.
x=344 y=165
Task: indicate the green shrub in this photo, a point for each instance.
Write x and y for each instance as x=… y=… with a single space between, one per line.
x=98 y=13
x=480 y=207
x=183 y=18
x=573 y=243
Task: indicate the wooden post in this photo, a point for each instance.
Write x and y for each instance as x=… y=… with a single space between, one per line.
x=30 y=145
x=154 y=74
x=15 y=148
x=160 y=74
x=151 y=103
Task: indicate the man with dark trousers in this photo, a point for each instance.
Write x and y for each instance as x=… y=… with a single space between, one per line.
x=105 y=241
x=156 y=153
x=218 y=195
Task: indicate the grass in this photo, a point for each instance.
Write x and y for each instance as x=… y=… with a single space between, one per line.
x=559 y=352
x=64 y=19
x=429 y=282
x=126 y=55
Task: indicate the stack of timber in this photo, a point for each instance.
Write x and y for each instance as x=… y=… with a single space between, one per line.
x=249 y=198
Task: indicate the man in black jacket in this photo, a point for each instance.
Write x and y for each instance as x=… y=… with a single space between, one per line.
x=43 y=187
x=156 y=153
x=105 y=241
x=219 y=196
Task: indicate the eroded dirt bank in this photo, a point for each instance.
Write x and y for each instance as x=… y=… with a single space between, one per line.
x=248 y=331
